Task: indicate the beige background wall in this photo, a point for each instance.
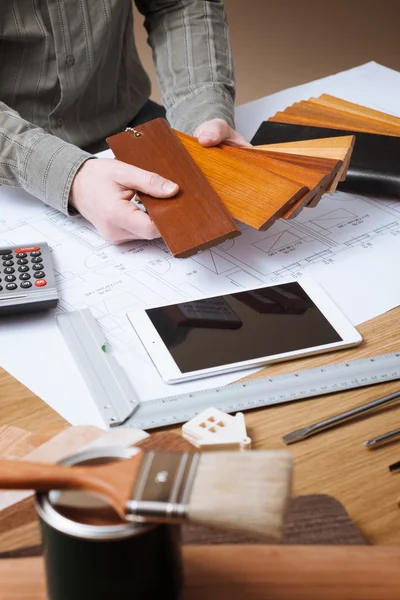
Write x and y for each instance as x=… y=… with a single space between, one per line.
x=281 y=43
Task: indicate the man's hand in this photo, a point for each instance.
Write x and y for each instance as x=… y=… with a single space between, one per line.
x=215 y=131
x=101 y=191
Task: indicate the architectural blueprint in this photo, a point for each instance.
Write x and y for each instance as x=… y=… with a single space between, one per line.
x=339 y=235
x=347 y=244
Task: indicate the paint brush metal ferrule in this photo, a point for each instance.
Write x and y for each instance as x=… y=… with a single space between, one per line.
x=163 y=487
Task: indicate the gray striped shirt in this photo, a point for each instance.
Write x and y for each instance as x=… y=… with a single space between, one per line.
x=70 y=76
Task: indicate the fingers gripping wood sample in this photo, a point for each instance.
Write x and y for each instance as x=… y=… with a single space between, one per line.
x=195 y=219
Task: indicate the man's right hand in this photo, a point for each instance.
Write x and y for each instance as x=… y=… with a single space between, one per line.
x=101 y=191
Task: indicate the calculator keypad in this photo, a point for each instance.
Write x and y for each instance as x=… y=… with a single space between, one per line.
x=17 y=267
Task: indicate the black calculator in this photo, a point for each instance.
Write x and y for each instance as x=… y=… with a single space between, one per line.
x=27 y=280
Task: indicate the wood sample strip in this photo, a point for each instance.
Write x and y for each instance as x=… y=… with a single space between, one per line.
x=326 y=166
x=357 y=109
x=252 y=194
x=330 y=170
x=307 y=115
x=193 y=220
x=254 y=572
x=339 y=148
x=316 y=173
x=342 y=117
x=280 y=168
x=374 y=167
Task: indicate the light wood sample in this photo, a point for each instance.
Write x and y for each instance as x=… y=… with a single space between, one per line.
x=252 y=194
x=335 y=113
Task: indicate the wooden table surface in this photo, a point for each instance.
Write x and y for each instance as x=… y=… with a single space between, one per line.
x=334 y=462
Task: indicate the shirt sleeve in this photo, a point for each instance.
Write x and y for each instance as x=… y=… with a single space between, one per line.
x=39 y=162
x=193 y=60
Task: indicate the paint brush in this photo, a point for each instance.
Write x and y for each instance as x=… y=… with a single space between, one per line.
x=244 y=492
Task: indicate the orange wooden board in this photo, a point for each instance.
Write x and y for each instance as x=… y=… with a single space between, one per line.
x=252 y=194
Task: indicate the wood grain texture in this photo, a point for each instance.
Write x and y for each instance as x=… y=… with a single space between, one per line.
x=340 y=148
x=255 y=573
x=318 y=111
x=281 y=168
x=317 y=173
x=356 y=109
x=194 y=219
x=328 y=111
x=251 y=193
x=342 y=114
x=334 y=463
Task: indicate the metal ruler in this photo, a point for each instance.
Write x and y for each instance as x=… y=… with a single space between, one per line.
x=268 y=391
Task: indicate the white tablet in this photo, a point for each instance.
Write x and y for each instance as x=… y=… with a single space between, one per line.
x=250 y=328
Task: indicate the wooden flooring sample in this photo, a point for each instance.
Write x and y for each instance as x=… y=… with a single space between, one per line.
x=357 y=110
x=195 y=219
x=316 y=173
x=252 y=194
x=327 y=167
x=339 y=148
x=307 y=113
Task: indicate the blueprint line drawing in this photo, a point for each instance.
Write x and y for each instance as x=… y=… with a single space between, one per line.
x=91 y=273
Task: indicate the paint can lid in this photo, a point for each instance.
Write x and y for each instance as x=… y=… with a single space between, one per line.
x=84 y=515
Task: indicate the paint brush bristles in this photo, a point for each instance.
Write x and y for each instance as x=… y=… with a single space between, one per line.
x=246 y=492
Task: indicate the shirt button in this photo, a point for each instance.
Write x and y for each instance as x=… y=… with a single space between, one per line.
x=70 y=60
x=60 y=121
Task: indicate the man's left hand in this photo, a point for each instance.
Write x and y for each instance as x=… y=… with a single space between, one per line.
x=215 y=131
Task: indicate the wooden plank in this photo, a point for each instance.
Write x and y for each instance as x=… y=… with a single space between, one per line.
x=309 y=116
x=252 y=194
x=194 y=219
x=357 y=110
x=330 y=171
x=339 y=115
x=315 y=172
x=340 y=148
x=254 y=572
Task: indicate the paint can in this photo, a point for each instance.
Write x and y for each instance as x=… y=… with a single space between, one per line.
x=90 y=554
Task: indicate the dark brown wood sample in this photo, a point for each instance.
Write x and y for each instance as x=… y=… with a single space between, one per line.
x=195 y=219
x=250 y=192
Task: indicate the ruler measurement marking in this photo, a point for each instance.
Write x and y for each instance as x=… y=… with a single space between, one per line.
x=286 y=387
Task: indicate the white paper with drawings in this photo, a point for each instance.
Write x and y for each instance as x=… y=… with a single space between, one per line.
x=348 y=244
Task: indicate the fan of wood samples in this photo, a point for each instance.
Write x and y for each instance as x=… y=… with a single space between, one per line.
x=328 y=111
x=298 y=155
x=375 y=160
x=222 y=184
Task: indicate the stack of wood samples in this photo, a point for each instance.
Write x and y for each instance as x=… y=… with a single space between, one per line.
x=329 y=111
x=222 y=184
x=375 y=162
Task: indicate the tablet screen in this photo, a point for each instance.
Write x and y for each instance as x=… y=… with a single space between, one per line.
x=213 y=332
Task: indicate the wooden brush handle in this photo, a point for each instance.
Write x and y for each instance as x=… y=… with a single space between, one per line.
x=19 y=475
x=114 y=481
